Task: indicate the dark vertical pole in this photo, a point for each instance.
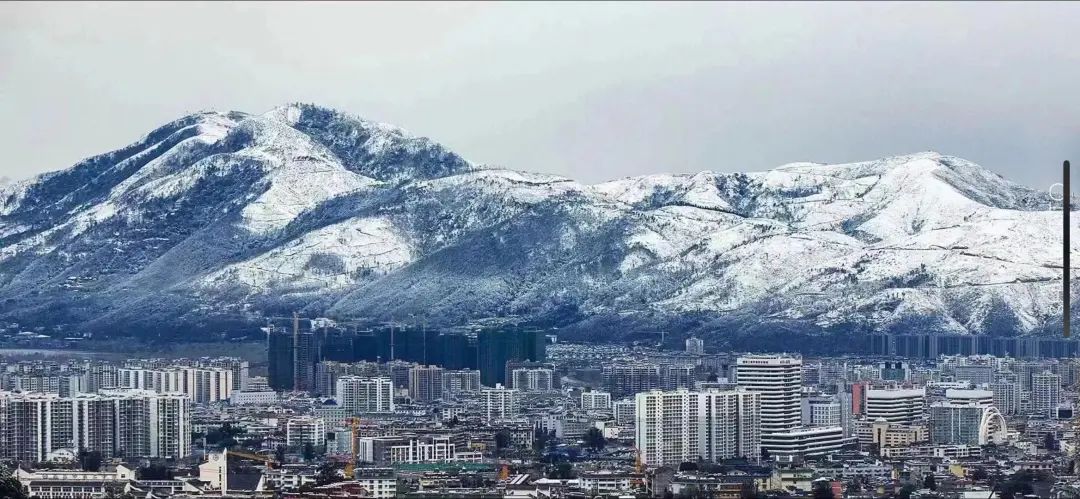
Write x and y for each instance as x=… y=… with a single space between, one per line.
x=1066 y=198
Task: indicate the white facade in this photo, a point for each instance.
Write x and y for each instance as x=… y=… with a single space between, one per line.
x=69 y=484
x=902 y=406
x=806 y=441
x=1045 y=393
x=1006 y=397
x=136 y=423
x=253 y=398
x=425 y=383
x=449 y=412
x=680 y=426
x=532 y=379
x=595 y=401
x=978 y=397
x=461 y=381
x=201 y=384
x=411 y=450
x=625 y=411
x=500 y=403
x=976 y=374
x=357 y=394
x=604 y=483
x=380 y=483
x=822 y=411
x=779 y=381
x=305 y=430
x=968 y=423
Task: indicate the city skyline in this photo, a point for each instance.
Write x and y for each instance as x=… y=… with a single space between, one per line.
x=775 y=421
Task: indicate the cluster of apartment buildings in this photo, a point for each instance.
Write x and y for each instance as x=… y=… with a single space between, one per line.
x=53 y=410
x=38 y=427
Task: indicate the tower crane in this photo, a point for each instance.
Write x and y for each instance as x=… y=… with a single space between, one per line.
x=267 y=460
x=639 y=468
x=354 y=427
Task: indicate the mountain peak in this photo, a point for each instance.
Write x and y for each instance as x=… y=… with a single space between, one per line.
x=970 y=179
x=377 y=150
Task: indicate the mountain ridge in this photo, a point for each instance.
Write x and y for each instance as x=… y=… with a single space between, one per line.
x=219 y=219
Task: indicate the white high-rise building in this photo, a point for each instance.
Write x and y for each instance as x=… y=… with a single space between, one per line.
x=532 y=379
x=847 y=416
x=461 y=381
x=303 y=430
x=695 y=346
x=969 y=423
x=131 y=423
x=239 y=367
x=358 y=394
x=425 y=383
x=625 y=378
x=500 y=402
x=680 y=426
x=675 y=377
x=779 y=381
x=595 y=401
x=201 y=384
x=211 y=384
x=1045 y=393
x=901 y=406
x=169 y=424
x=1006 y=397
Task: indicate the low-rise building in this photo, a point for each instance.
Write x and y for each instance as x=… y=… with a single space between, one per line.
x=387 y=450
x=608 y=482
x=804 y=442
x=381 y=483
x=882 y=433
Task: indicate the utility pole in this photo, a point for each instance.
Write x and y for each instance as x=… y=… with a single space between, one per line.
x=1066 y=295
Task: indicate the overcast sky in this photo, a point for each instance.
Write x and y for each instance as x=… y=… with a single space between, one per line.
x=591 y=91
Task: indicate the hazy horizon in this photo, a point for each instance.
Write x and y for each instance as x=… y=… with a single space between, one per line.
x=511 y=167
x=590 y=91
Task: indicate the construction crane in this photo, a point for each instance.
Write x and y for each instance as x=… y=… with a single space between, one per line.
x=1076 y=442
x=267 y=460
x=224 y=473
x=639 y=469
x=354 y=427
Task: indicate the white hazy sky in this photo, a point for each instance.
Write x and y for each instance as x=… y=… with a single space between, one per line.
x=593 y=91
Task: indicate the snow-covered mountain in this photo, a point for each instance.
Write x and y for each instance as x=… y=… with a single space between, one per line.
x=220 y=219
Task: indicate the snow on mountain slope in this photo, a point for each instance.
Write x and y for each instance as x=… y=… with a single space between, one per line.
x=232 y=216
x=377 y=150
x=331 y=257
